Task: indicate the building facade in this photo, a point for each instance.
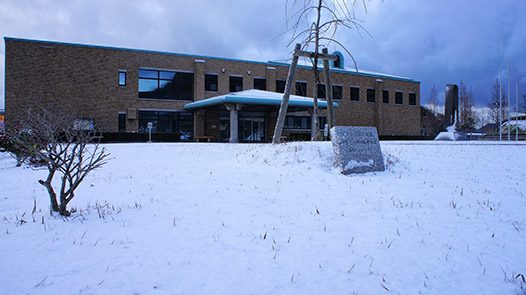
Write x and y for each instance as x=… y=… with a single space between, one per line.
x=122 y=90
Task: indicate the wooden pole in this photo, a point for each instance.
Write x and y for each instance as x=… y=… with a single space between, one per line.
x=286 y=96
x=328 y=90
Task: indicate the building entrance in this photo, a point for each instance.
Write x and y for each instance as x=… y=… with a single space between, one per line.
x=251 y=127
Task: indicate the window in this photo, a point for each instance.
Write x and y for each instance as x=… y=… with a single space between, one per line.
x=211 y=82
x=280 y=86
x=321 y=91
x=236 y=83
x=385 y=96
x=167 y=122
x=303 y=122
x=301 y=88
x=260 y=83
x=399 y=97
x=338 y=62
x=337 y=91
x=122 y=122
x=371 y=95
x=412 y=99
x=298 y=122
x=355 y=93
x=155 y=84
x=122 y=78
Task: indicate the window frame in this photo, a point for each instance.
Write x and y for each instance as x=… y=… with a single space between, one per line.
x=160 y=80
x=122 y=80
x=260 y=79
x=351 y=93
x=234 y=77
x=396 y=97
x=371 y=98
x=208 y=75
x=409 y=99
x=385 y=91
x=284 y=85
x=297 y=88
x=334 y=87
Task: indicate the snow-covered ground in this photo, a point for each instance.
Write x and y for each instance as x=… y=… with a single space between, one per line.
x=444 y=218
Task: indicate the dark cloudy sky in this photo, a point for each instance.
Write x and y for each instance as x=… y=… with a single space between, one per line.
x=432 y=41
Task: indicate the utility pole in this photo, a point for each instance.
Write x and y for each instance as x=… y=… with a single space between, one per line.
x=509 y=102
x=500 y=105
x=517 y=111
x=286 y=96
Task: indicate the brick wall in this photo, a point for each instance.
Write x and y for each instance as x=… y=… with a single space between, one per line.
x=84 y=80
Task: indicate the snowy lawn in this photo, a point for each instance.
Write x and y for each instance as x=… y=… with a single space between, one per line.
x=189 y=218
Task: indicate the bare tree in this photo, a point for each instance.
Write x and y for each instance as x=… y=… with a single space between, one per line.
x=466 y=103
x=432 y=101
x=66 y=147
x=494 y=105
x=329 y=15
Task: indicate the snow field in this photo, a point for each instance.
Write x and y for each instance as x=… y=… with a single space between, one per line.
x=261 y=219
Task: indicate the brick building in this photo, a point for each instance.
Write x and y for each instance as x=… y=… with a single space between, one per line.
x=121 y=90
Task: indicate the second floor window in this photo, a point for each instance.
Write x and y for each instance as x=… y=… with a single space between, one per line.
x=174 y=85
x=236 y=83
x=301 y=88
x=260 y=83
x=211 y=82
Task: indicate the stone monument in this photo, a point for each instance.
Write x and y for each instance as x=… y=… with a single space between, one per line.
x=357 y=149
x=451 y=116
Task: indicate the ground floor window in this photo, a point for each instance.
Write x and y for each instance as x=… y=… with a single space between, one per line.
x=122 y=122
x=303 y=122
x=167 y=122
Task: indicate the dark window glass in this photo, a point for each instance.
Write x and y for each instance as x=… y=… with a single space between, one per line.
x=371 y=95
x=211 y=82
x=355 y=93
x=386 y=96
x=322 y=120
x=260 y=83
x=122 y=78
x=301 y=88
x=184 y=86
x=399 y=98
x=280 y=86
x=166 y=85
x=321 y=91
x=337 y=92
x=236 y=84
x=122 y=122
x=338 y=62
x=412 y=99
x=167 y=122
x=298 y=122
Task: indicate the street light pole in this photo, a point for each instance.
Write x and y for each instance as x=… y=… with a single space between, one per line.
x=509 y=102
x=500 y=105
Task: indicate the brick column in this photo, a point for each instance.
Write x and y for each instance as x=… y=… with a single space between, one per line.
x=271 y=79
